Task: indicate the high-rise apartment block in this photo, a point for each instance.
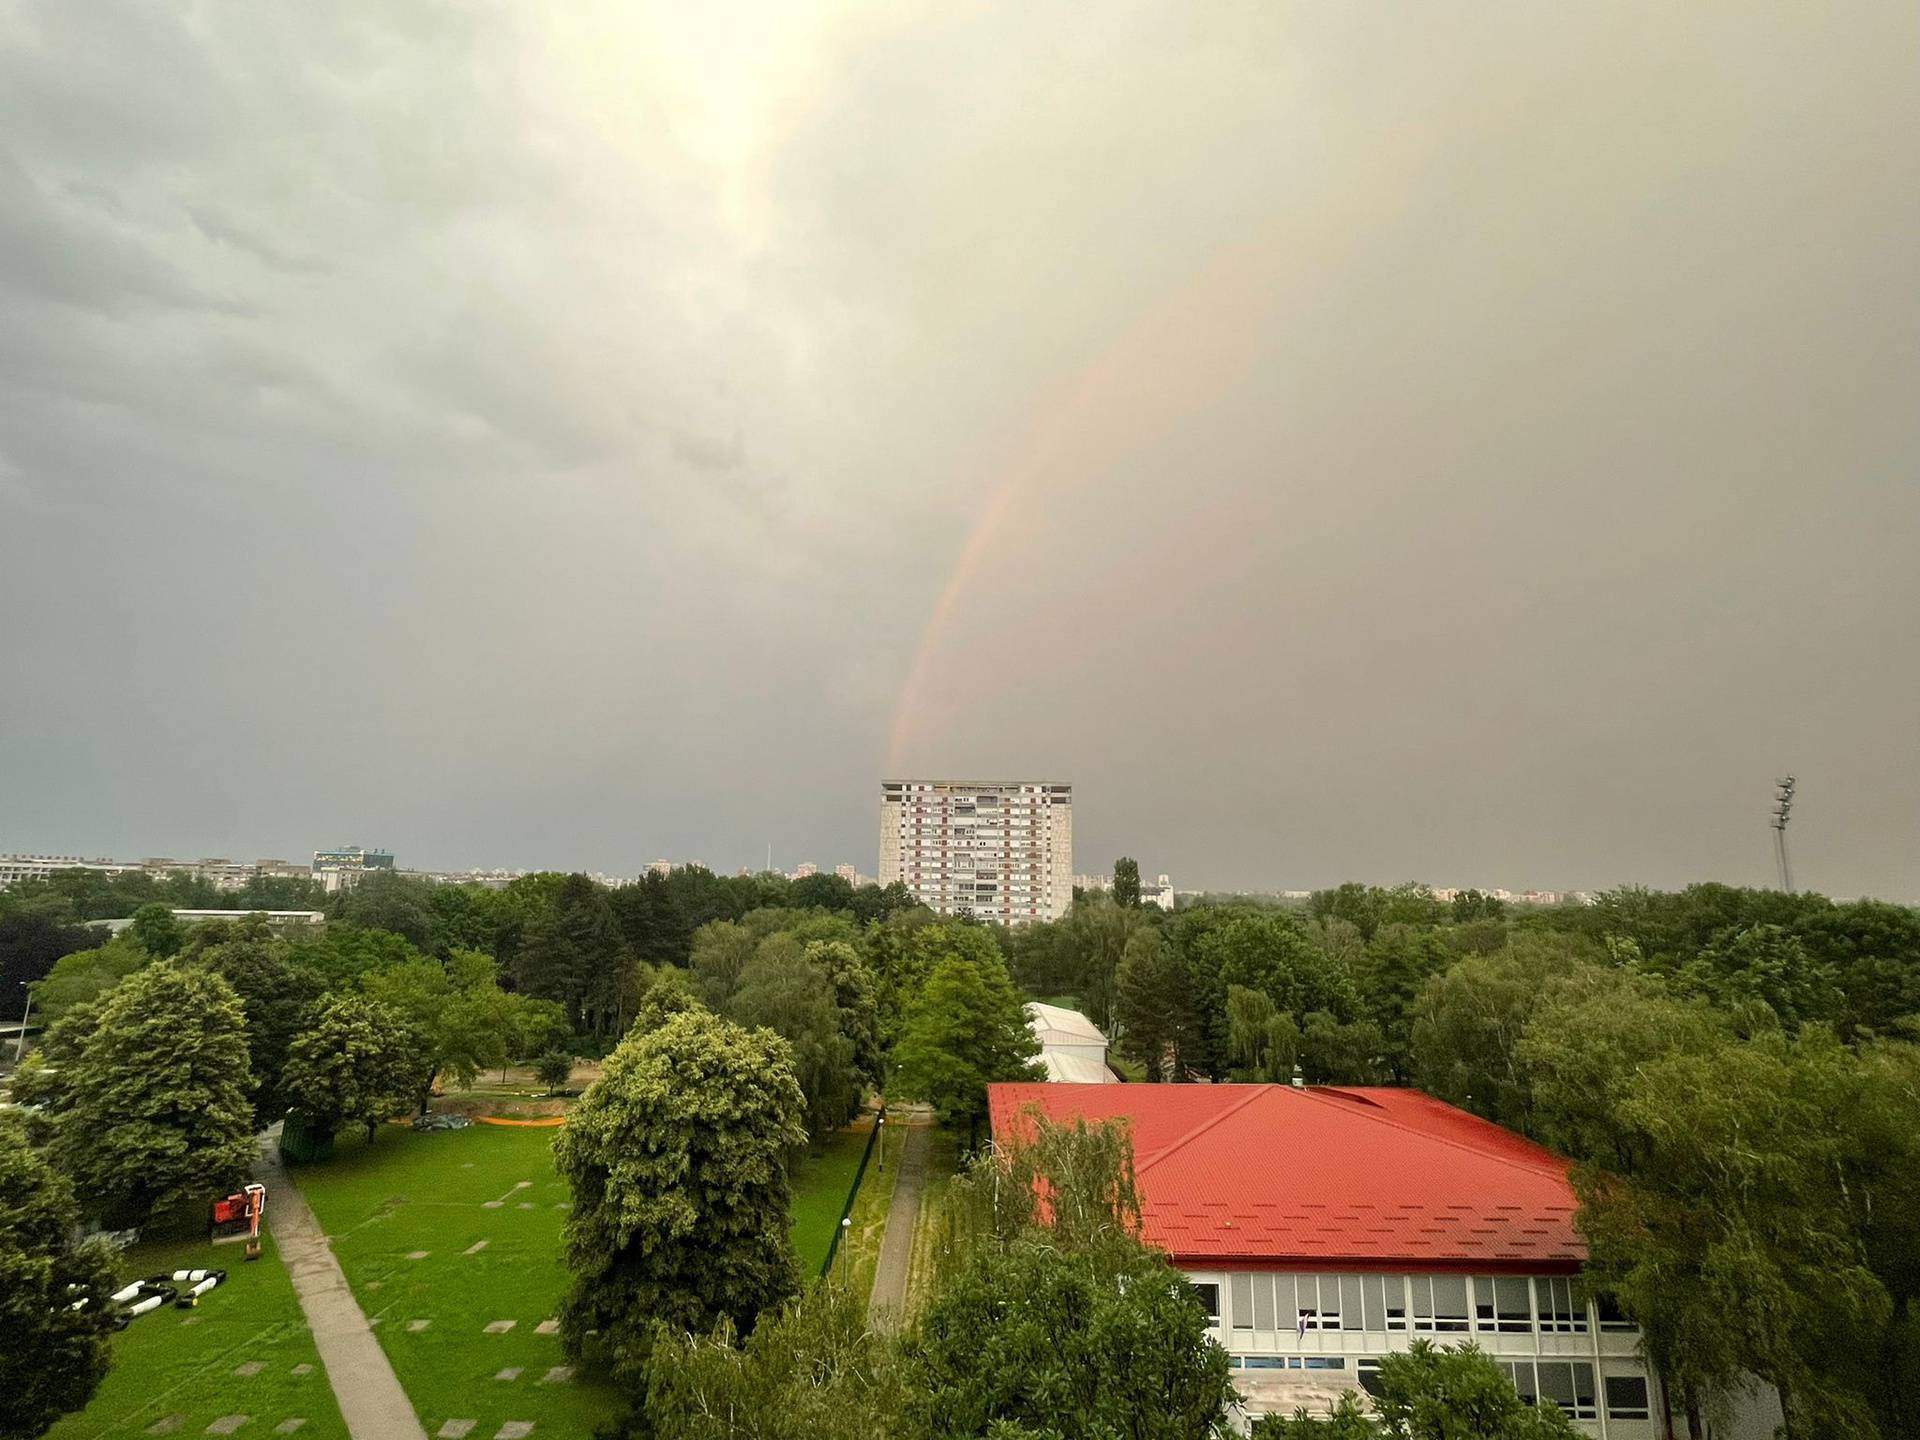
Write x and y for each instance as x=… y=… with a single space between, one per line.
x=1002 y=850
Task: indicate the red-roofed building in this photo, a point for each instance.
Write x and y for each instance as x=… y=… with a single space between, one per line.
x=1325 y=1227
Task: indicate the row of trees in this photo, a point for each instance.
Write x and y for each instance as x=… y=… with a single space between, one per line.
x=557 y=937
x=170 y=1049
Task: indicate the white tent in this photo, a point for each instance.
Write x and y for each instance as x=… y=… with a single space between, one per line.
x=1071 y=1046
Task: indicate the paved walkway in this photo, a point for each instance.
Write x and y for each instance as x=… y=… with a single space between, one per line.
x=371 y=1400
x=887 y=1308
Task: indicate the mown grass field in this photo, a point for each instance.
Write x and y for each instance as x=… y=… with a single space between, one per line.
x=438 y=1196
x=180 y=1366
x=442 y=1235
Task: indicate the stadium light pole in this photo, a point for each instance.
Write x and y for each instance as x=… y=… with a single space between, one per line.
x=1782 y=812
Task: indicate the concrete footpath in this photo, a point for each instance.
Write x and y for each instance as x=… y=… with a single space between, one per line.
x=888 y=1305
x=371 y=1400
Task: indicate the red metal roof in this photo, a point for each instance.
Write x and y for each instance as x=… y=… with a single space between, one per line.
x=1325 y=1177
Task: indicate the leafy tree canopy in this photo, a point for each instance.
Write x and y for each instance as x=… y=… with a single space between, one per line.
x=151 y=1098
x=55 y=1355
x=85 y=975
x=1034 y=1340
x=356 y=1063
x=1431 y=1393
x=677 y=1158
x=966 y=1029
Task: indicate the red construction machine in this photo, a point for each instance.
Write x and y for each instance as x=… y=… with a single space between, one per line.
x=237 y=1217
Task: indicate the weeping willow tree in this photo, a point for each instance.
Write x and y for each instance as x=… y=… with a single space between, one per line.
x=1071 y=1187
x=1263 y=1041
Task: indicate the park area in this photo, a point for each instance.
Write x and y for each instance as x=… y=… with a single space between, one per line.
x=451 y=1242
x=244 y=1351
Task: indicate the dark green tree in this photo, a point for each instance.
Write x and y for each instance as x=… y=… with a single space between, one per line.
x=1468 y=906
x=1361 y=906
x=856 y=994
x=1096 y=933
x=1393 y=972
x=344 y=954
x=1432 y=1393
x=1263 y=1042
x=1154 y=1012
x=1737 y=1242
x=1341 y=1052
x=277 y=994
x=782 y=989
x=151 y=1103
x=387 y=900
x=966 y=1029
x=677 y=1159
x=574 y=953
x=55 y=1354
x=357 y=1062
x=32 y=937
x=1765 y=965
x=1467 y=1032
x=1587 y=1037
x=1033 y=1340
x=156 y=931
x=1126 y=881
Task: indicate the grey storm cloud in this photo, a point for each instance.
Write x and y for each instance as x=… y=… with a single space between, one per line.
x=1473 y=442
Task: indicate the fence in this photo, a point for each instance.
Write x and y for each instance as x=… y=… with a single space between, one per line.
x=853 y=1194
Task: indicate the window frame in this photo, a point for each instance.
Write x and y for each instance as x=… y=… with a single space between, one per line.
x=1630 y=1410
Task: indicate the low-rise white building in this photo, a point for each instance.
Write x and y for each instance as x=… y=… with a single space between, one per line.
x=16 y=869
x=277 y=920
x=1072 y=1047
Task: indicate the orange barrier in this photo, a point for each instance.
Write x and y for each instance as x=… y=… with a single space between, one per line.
x=545 y=1122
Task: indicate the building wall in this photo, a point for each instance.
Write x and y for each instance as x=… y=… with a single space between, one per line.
x=15 y=869
x=1001 y=849
x=1304 y=1337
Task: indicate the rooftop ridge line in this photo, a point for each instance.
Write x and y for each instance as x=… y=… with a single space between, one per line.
x=1254 y=1093
x=1380 y=1116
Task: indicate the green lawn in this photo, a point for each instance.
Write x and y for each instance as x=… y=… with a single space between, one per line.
x=439 y=1193
x=182 y=1362
x=485 y=1207
x=820 y=1185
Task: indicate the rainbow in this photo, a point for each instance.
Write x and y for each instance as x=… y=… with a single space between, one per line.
x=1217 y=312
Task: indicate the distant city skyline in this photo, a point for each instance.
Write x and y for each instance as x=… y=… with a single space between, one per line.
x=230 y=872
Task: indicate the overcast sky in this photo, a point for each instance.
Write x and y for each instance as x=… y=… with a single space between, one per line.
x=1468 y=441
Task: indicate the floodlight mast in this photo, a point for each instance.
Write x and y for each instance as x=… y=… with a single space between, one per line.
x=1782 y=812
